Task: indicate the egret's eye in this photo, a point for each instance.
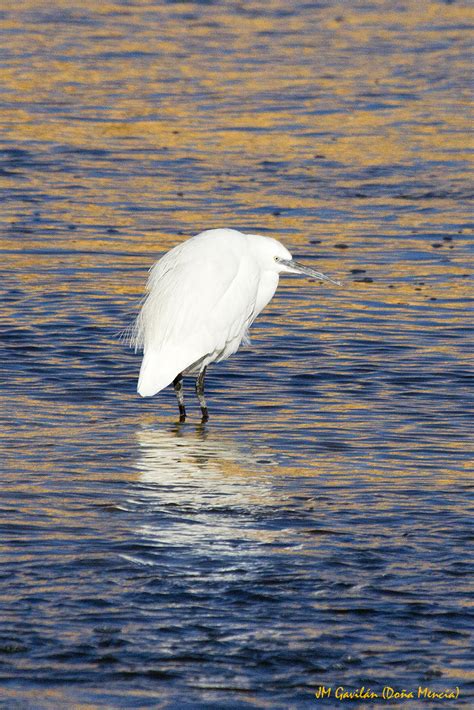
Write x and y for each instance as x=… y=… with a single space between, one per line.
x=277 y=258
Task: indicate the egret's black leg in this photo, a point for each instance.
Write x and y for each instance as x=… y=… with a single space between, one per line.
x=200 y=395
x=178 y=388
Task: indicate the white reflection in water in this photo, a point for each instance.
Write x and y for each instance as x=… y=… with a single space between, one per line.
x=202 y=489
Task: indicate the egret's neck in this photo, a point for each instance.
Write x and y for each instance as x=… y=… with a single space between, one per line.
x=266 y=289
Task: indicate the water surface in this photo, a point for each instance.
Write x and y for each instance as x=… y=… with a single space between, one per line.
x=316 y=530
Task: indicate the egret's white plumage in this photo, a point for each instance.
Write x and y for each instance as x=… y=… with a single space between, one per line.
x=203 y=295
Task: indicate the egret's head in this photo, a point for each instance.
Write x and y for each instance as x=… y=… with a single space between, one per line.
x=275 y=257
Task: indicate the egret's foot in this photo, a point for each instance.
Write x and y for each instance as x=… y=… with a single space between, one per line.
x=182 y=415
x=205 y=415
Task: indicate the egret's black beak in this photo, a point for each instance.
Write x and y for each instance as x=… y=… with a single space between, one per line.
x=293 y=267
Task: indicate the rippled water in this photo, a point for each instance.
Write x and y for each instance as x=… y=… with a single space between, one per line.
x=316 y=530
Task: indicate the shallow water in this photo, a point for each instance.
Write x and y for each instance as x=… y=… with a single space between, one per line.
x=316 y=530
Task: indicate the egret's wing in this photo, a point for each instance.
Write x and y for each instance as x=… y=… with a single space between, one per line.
x=196 y=306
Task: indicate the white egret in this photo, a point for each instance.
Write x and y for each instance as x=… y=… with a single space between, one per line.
x=203 y=296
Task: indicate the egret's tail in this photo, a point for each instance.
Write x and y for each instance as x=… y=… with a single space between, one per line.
x=153 y=376
x=160 y=367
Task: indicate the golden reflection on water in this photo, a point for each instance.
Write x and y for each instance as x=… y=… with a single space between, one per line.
x=83 y=87
x=183 y=97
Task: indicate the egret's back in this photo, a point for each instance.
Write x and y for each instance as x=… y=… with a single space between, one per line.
x=201 y=299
